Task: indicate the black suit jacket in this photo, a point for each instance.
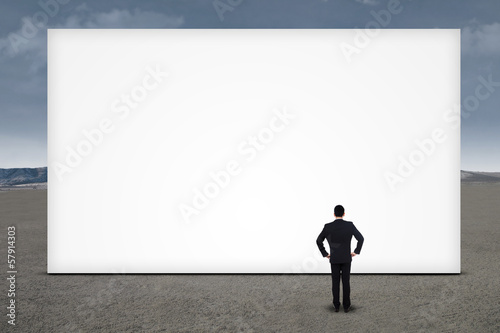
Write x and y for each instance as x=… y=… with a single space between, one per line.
x=339 y=234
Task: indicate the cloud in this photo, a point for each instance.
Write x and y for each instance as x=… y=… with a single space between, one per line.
x=30 y=40
x=368 y=2
x=481 y=40
x=120 y=18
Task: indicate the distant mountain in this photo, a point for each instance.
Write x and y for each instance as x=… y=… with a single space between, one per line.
x=18 y=176
x=479 y=177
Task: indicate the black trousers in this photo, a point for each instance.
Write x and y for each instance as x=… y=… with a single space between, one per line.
x=343 y=270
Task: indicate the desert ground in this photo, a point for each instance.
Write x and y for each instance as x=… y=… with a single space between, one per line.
x=468 y=302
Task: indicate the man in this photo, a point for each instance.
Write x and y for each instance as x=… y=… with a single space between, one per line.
x=339 y=234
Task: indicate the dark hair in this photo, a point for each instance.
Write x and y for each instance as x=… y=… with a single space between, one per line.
x=339 y=211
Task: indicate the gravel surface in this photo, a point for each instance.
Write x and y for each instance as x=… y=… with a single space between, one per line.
x=469 y=302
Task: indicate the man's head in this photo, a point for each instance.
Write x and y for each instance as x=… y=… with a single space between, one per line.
x=339 y=211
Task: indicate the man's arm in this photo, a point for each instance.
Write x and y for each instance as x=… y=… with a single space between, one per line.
x=359 y=238
x=319 y=242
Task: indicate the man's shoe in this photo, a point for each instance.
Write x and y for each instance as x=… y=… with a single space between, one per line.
x=347 y=309
x=336 y=309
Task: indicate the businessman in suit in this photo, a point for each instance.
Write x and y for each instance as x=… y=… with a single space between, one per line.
x=339 y=234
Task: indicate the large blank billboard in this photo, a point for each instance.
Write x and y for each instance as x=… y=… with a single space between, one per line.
x=225 y=151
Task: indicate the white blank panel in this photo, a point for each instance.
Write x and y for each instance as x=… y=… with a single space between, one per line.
x=300 y=128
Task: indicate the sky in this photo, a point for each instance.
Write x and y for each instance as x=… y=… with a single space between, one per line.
x=23 y=60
